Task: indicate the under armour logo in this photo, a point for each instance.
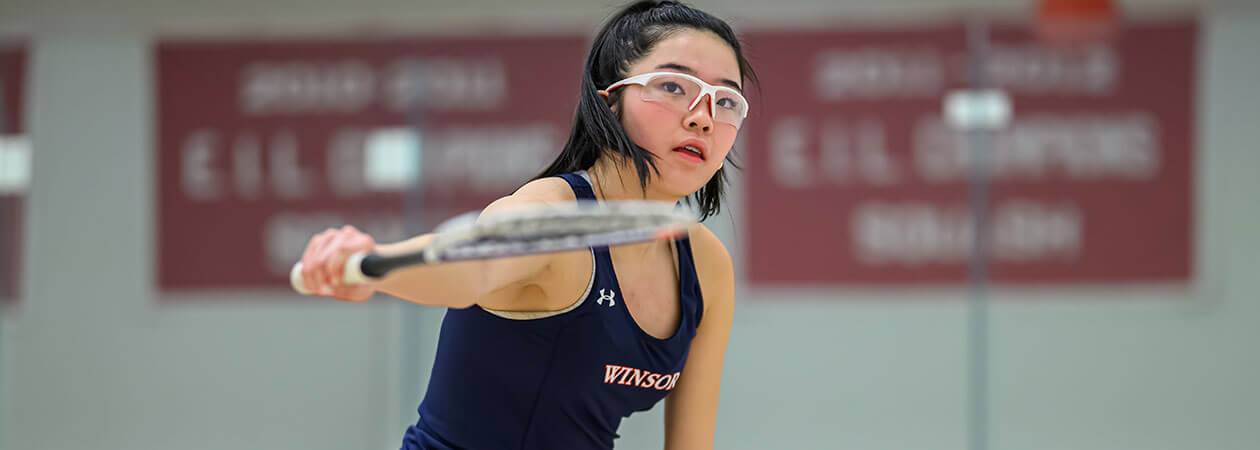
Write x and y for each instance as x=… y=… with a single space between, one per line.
x=607 y=295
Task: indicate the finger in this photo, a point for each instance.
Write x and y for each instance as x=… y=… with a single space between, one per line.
x=353 y=241
x=327 y=257
x=334 y=259
x=311 y=262
x=318 y=271
x=353 y=245
x=348 y=243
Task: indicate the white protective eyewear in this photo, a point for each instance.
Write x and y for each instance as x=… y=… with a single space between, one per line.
x=685 y=91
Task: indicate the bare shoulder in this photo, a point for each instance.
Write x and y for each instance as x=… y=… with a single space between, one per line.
x=708 y=249
x=550 y=189
x=713 y=267
x=538 y=192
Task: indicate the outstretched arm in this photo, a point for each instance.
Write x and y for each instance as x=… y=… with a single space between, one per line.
x=463 y=284
x=458 y=285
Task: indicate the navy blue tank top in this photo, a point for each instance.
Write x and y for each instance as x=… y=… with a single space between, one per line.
x=505 y=381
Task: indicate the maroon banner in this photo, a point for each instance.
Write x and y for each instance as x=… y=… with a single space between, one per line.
x=855 y=179
x=13 y=143
x=263 y=144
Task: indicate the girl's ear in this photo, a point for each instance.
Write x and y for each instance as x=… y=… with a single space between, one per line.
x=609 y=101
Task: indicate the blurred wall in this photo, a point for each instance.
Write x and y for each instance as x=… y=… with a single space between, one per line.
x=91 y=359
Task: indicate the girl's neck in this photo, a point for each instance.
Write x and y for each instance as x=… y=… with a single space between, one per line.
x=614 y=178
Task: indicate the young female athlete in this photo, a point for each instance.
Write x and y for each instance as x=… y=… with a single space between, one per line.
x=552 y=351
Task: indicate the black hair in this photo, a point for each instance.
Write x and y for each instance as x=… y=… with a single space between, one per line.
x=627 y=36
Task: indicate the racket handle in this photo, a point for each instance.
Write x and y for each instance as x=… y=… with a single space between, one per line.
x=353 y=273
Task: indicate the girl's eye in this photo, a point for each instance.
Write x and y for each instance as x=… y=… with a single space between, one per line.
x=728 y=103
x=673 y=88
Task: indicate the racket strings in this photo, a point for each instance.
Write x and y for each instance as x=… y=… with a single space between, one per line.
x=554 y=226
x=548 y=234
x=483 y=248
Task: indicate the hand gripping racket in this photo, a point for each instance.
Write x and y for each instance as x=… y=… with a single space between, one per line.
x=527 y=231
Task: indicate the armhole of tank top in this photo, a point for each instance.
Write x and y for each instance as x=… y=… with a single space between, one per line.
x=695 y=276
x=673 y=248
x=532 y=315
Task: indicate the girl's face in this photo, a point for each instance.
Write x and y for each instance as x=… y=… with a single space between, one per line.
x=664 y=129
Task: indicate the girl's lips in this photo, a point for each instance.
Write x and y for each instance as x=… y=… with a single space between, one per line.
x=688 y=155
x=694 y=143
